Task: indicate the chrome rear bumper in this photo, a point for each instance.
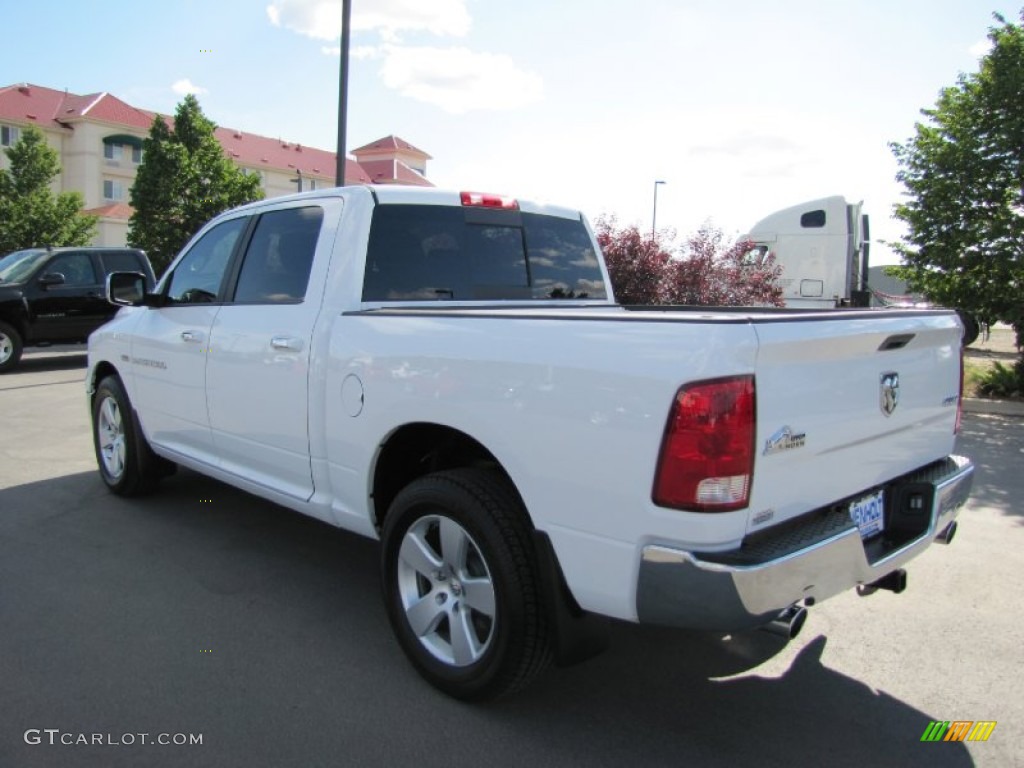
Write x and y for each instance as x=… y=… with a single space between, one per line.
x=819 y=556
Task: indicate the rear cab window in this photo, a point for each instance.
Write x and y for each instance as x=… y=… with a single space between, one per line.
x=279 y=257
x=450 y=253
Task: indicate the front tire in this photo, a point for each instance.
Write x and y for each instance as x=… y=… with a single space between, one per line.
x=127 y=464
x=459 y=578
x=10 y=347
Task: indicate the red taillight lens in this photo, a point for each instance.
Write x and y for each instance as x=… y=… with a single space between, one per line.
x=482 y=200
x=707 y=455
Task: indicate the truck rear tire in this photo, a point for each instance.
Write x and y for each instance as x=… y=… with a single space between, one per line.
x=460 y=584
x=10 y=347
x=127 y=464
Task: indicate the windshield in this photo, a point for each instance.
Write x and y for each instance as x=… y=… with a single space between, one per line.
x=16 y=267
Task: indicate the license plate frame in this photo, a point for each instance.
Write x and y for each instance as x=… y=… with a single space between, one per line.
x=868 y=513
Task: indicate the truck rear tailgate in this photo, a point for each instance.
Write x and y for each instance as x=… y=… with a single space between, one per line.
x=845 y=405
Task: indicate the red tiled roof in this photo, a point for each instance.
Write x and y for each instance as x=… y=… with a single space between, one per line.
x=390 y=143
x=393 y=172
x=112 y=211
x=263 y=152
x=107 y=108
x=54 y=109
x=30 y=102
x=355 y=173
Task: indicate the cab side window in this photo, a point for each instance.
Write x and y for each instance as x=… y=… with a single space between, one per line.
x=199 y=275
x=120 y=261
x=76 y=267
x=279 y=257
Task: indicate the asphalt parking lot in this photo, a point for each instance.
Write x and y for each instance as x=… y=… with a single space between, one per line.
x=205 y=611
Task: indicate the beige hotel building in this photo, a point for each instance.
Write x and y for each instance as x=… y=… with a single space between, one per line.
x=99 y=140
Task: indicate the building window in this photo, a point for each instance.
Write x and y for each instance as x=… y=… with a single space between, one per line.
x=9 y=135
x=136 y=155
x=113 y=151
x=113 y=190
x=312 y=184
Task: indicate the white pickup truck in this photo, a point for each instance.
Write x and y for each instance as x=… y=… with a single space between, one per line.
x=448 y=372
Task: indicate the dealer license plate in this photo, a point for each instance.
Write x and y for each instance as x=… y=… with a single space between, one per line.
x=869 y=514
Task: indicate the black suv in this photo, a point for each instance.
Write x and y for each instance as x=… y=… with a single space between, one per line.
x=58 y=295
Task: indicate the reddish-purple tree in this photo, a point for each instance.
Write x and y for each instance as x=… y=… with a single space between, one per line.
x=708 y=272
x=638 y=264
x=712 y=272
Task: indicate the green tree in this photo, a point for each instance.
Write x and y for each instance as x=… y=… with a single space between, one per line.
x=183 y=181
x=963 y=171
x=30 y=214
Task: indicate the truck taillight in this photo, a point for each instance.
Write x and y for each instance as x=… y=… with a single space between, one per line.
x=706 y=462
x=484 y=200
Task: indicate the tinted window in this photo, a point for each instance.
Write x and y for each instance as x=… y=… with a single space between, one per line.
x=423 y=252
x=198 y=276
x=121 y=261
x=279 y=256
x=16 y=267
x=76 y=267
x=813 y=219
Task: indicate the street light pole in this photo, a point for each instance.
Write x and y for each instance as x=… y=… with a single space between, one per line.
x=654 y=215
x=346 y=14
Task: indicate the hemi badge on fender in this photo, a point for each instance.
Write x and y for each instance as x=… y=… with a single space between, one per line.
x=784 y=439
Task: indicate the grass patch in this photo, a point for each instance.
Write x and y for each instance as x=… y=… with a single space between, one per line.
x=975 y=372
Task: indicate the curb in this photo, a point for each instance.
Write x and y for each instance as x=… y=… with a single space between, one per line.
x=992 y=407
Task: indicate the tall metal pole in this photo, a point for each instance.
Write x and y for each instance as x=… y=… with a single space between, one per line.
x=346 y=14
x=654 y=215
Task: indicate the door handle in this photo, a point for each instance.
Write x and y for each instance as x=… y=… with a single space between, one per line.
x=195 y=337
x=286 y=342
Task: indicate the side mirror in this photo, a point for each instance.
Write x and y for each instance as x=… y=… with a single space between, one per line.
x=52 y=278
x=126 y=289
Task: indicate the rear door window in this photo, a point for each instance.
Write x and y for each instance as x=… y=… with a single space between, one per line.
x=279 y=257
x=437 y=253
x=121 y=261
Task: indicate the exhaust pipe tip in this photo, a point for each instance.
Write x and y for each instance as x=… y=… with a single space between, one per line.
x=947 y=533
x=788 y=623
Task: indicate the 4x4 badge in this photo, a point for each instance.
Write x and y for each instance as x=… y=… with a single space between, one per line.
x=889 y=395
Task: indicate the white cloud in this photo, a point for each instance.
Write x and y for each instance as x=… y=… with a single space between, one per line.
x=459 y=80
x=358 y=53
x=980 y=48
x=321 y=19
x=185 y=86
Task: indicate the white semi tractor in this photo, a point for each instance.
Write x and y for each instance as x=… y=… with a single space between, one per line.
x=823 y=247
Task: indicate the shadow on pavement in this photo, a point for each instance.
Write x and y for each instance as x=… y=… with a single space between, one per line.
x=205 y=610
x=1006 y=436
x=42 y=360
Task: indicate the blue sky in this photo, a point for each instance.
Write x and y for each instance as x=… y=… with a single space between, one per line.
x=741 y=107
